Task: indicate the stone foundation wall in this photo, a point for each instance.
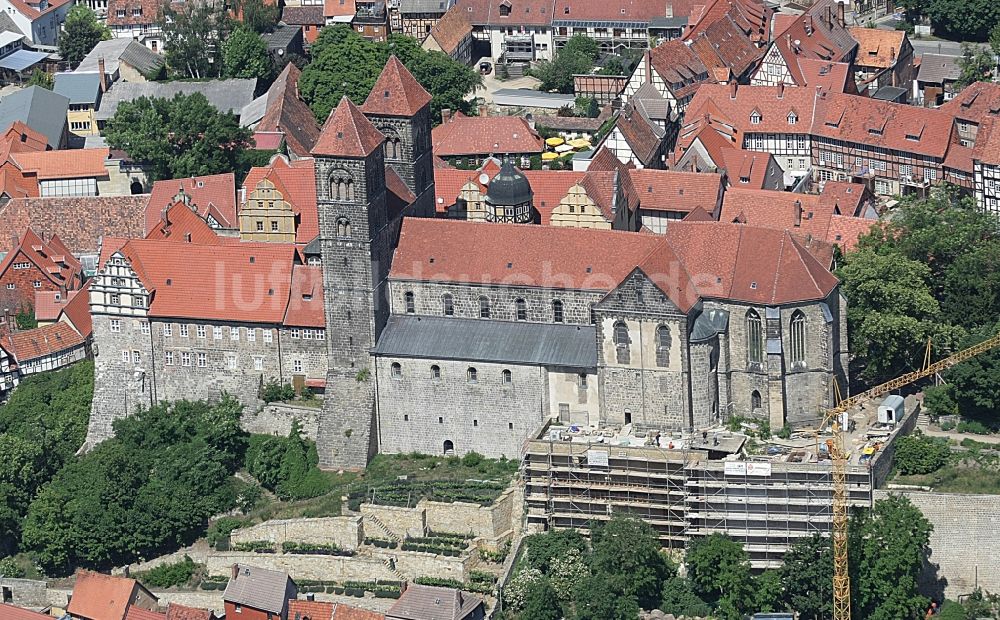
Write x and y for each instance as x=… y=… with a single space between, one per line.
x=276 y=419
x=401 y=521
x=964 y=544
x=492 y=523
x=358 y=568
x=25 y=592
x=345 y=532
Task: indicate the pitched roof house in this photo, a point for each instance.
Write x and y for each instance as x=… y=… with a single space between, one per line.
x=258 y=593
x=106 y=597
x=819 y=34
x=34 y=265
x=476 y=137
x=79 y=222
x=279 y=116
x=433 y=603
x=42 y=110
x=212 y=197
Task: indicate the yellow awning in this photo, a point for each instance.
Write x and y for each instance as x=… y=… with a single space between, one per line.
x=549 y=156
x=554 y=141
x=579 y=143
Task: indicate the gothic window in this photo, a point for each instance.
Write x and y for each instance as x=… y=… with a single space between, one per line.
x=755 y=338
x=484 y=308
x=408 y=300
x=557 y=311
x=343 y=227
x=341 y=186
x=449 y=305
x=755 y=402
x=663 y=342
x=521 y=309
x=397 y=371
x=797 y=339
x=621 y=342
x=506 y=377
x=472 y=375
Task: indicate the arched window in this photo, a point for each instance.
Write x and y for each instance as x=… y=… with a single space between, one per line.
x=755 y=338
x=797 y=338
x=341 y=186
x=755 y=402
x=472 y=375
x=521 y=309
x=663 y=342
x=397 y=371
x=557 y=311
x=484 y=307
x=449 y=447
x=343 y=227
x=448 y=303
x=410 y=304
x=621 y=342
x=435 y=372
x=505 y=377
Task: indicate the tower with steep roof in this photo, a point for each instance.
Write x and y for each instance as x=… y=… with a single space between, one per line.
x=357 y=240
x=400 y=108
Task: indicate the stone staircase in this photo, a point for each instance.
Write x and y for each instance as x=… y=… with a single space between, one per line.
x=392 y=569
x=383 y=528
x=923 y=420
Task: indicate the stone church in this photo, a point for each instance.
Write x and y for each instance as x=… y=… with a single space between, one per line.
x=447 y=336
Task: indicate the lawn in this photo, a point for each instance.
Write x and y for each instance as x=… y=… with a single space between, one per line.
x=401 y=480
x=973 y=471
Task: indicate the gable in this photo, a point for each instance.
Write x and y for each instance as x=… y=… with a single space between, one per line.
x=637 y=294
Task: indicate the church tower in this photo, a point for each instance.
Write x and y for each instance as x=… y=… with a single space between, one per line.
x=356 y=243
x=399 y=107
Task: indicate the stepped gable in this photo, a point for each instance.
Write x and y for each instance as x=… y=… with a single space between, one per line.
x=396 y=92
x=347 y=133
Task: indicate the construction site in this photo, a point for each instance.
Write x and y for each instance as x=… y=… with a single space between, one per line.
x=764 y=493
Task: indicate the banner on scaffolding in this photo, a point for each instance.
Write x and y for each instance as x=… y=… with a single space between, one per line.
x=597 y=458
x=758 y=469
x=747 y=469
x=735 y=469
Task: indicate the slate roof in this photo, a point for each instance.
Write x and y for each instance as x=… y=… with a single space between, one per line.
x=117 y=51
x=38 y=108
x=487 y=341
x=224 y=95
x=938 y=68
x=79 y=88
x=258 y=588
x=347 y=133
x=303 y=15
x=451 y=30
x=283 y=112
x=396 y=92
x=484 y=135
x=79 y=221
x=432 y=603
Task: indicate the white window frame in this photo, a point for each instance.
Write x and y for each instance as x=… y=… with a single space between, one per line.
x=115 y=325
x=267 y=335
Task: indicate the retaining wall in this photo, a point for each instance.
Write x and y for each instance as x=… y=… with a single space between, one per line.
x=400 y=520
x=365 y=567
x=345 y=532
x=492 y=523
x=276 y=419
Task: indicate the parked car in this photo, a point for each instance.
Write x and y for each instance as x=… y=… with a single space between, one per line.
x=485 y=67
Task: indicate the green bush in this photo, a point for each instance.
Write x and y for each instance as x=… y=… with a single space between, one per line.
x=947 y=426
x=10 y=569
x=169 y=575
x=277 y=392
x=256 y=546
x=785 y=432
x=286 y=465
x=918 y=454
x=973 y=426
x=437 y=581
x=220 y=530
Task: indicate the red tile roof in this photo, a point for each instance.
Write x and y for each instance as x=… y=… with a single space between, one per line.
x=671 y=190
x=65 y=164
x=346 y=612
x=10 y=612
x=149 y=10
x=305 y=300
x=310 y=610
x=736 y=262
x=250 y=281
x=347 y=133
x=987 y=148
x=297 y=182
x=339 y=8
x=97 y=596
x=484 y=135
x=216 y=190
x=752 y=16
x=287 y=115
x=834 y=76
x=78 y=221
x=181 y=223
x=48 y=304
x=77 y=311
x=451 y=30
x=724 y=45
x=137 y=613
x=52 y=258
x=975 y=102
x=847 y=198
x=396 y=92
x=679 y=66
x=773 y=103
x=878 y=48
x=183 y=612
x=22 y=138
x=814 y=35
x=640 y=135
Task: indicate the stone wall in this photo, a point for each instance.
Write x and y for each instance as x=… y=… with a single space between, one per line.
x=358 y=568
x=345 y=532
x=401 y=521
x=25 y=592
x=493 y=523
x=964 y=544
x=276 y=419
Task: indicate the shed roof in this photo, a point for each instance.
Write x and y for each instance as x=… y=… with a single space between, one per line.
x=22 y=59
x=78 y=87
x=937 y=68
x=530 y=98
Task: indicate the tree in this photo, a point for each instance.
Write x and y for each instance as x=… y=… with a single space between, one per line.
x=719 y=570
x=40 y=78
x=807 y=576
x=887 y=546
x=576 y=57
x=565 y=571
x=919 y=454
x=963 y=20
x=613 y=66
x=627 y=553
x=976 y=382
x=80 y=33
x=543 y=549
x=192 y=33
x=595 y=600
x=679 y=599
x=768 y=591
x=180 y=137
x=516 y=593
x=541 y=602
x=940 y=400
x=952 y=611
x=257 y=15
x=244 y=55
x=977 y=64
x=344 y=63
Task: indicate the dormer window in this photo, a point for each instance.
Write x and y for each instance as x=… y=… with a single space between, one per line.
x=792 y=118
x=873 y=131
x=755 y=118
x=505 y=10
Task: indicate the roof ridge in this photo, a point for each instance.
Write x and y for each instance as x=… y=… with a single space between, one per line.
x=777 y=267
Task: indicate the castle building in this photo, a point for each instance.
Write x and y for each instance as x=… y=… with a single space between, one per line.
x=447 y=336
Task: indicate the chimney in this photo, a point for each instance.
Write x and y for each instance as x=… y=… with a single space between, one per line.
x=840 y=15
x=310 y=597
x=646 y=64
x=798 y=213
x=829 y=16
x=807 y=23
x=892 y=54
x=733 y=86
x=101 y=75
x=445 y=115
x=235 y=571
x=781 y=89
x=163 y=216
x=484 y=111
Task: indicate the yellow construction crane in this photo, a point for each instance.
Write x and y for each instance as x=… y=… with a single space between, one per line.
x=838 y=456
